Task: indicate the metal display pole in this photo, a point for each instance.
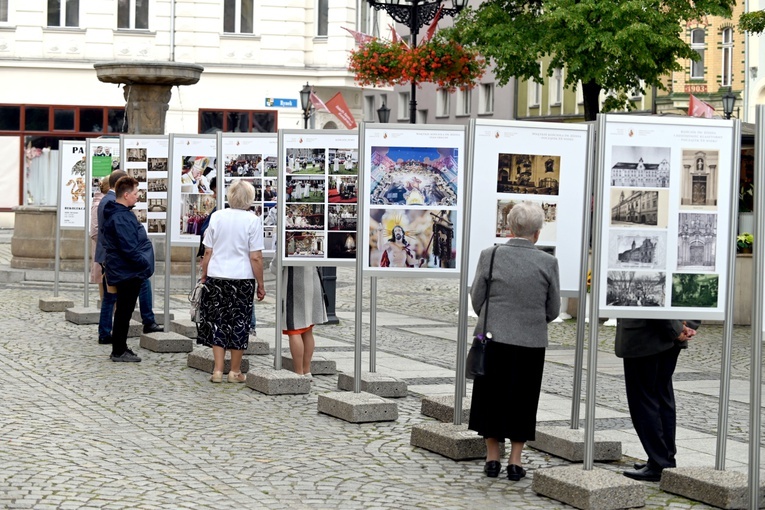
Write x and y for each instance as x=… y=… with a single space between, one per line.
x=460 y=388
x=168 y=230
x=758 y=256
x=87 y=200
x=57 y=261
x=581 y=309
x=373 y=324
x=360 y=226
x=278 y=253
x=193 y=271
x=727 y=344
x=592 y=346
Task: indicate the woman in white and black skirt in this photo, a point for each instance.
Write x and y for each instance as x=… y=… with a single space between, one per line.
x=524 y=298
x=232 y=271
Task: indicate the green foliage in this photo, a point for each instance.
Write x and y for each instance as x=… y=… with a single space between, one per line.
x=605 y=44
x=752 y=22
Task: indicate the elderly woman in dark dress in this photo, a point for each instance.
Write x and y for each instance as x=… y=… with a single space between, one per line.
x=525 y=297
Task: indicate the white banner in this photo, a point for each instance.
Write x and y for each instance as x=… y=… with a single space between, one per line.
x=73 y=183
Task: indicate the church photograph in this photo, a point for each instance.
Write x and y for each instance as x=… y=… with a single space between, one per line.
x=699 y=179
x=696 y=241
x=630 y=249
x=528 y=174
x=640 y=167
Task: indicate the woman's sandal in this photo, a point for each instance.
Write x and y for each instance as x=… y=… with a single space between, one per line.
x=216 y=377
x=236 y=377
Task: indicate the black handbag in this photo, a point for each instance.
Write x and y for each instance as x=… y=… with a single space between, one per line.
x=476 y=358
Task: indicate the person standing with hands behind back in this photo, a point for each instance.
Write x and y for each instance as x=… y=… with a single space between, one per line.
x=650 y=348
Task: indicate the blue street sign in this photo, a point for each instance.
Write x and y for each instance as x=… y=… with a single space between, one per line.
x=276 y=102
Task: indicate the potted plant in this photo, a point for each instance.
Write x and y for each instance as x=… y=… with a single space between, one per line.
x=745 y=207
x=744 y=242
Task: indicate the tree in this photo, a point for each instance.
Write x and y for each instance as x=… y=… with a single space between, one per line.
x=752 y=22
x=606 y=44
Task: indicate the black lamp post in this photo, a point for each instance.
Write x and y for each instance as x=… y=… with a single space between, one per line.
x=728 y=101
x=383 y=114
x=305 y=103
x=415 y=14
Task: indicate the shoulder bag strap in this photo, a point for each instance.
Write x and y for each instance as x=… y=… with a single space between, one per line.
x=488 y=290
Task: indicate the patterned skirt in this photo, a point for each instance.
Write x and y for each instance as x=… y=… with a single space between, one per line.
x=226 y=310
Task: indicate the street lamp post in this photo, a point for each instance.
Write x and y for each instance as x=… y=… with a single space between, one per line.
x=414 y=14
x=728 y=101
x=383 y=114
x=305 y=103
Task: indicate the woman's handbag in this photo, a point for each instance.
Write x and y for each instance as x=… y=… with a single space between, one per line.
x=476 y=358
x=195 y=299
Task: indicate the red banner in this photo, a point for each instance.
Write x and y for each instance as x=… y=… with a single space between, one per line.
x=339 y=109
x=698 y=108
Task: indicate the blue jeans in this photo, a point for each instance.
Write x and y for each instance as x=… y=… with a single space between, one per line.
x=107 y=309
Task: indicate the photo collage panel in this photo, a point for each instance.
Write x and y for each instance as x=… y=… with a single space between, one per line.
x=149 y=166
x=253 y=168
x=413 y=214
x=197 y=197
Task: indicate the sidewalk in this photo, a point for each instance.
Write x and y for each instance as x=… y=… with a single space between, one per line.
x=81 y=432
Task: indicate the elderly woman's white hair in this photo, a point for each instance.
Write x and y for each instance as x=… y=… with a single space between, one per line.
x=526 y=219
x=240 y=194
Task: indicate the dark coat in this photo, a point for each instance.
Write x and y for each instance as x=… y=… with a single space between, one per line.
x=100 y=255
x=129 y=253
x=636 y=338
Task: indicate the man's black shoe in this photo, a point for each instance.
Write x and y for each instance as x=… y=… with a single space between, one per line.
x=639 y=465
x=126 y=357
x=152 y=328
x=646 y=474
x=105 y=340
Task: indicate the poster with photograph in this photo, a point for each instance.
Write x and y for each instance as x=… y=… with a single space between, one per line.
x=318 y=197
x=252 y=157
x=412 y=200
x=102 y=157
x=193 y=164
x=544 y=163
x=665 y=216
x=146 y=160
x=73 y=168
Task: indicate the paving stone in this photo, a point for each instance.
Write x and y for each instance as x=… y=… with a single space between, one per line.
x=377 y=384
x=55 y=304
x=722 y=489
x=202 y=359
x=455 y=442
x=81 y=315
x=442 y=408
x=166 y=342
x=357 y=407
x=568 y=443
x=594 y=489
x=277 y=382
x=319 y=364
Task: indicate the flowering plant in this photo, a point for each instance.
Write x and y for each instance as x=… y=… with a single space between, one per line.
x=589 y=280
x=445 y=63
x=744 y=241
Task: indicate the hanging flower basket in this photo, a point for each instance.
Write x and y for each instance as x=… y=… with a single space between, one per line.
x=445 y=63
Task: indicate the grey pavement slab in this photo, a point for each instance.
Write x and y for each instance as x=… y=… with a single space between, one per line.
x=442 y=408
x=166 y=342
x=594 y=489
x=319 y=364
x=55 y=304
x=722 y=489
x=357 y=407
x=202 y=359
x=278 y=382
x=454 y=442
x=377 y=384
x=82 y=315
x=569 y=444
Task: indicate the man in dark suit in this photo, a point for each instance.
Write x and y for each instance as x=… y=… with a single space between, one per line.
x=650 y=348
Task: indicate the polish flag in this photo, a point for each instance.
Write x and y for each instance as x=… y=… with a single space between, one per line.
x=317 y=103
x=698 y=108
x=434 y=26
x=360 y=38
x=339 y=108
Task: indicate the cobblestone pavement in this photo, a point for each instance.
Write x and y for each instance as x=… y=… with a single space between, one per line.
x=81 y=432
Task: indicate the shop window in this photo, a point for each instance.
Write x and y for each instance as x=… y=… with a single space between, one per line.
x=36 y=119
x=10 y=118
x=63 y=120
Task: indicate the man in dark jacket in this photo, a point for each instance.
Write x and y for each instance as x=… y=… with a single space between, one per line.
x=650 y=348
x=129 y=261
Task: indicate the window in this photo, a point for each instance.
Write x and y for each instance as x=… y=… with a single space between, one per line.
x=727 y=57
x=237 y=121
x=238 y=16
x=322 y=18
x=486 y=98
x=369 y=108
x=403 y=105
x=556 y=86
x=422 y=116
x=368 y=18
x=535 y=93
x=463 y=101
x=697 y=45
x=133 y=14
x=442 y=103
x=3 y=11
x=10 y=118
x=63 y=13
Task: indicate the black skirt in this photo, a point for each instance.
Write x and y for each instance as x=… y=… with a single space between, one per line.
x=226 y=311
x=505 y=400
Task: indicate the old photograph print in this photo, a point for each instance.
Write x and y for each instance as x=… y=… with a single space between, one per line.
x=302 y=243
x=697 y=241
x=414 y=176
x=549 y=229
x=695 y=290
x=341 y=245
x=639 y=207
x=640 y=167
x=412 y=238
x=633 y=288
x=631 y=249
x=699 y=179
x=528 y=174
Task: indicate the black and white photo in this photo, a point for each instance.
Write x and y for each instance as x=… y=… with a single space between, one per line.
x=697 y=241
x=634 y=288
x=640 y=167
x=630 y=249
x=699 y=179
x=639 y=207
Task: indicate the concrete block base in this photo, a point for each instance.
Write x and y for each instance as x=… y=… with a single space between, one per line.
x=278 y=382
x=55 y=304
x=81 y=315
x=357 y=407
x=257 y=347
x=159 y=315
x=568 y=443
x=166 y=342
x=442 y=408
x=319 y=364
x=185 y=327
x=135 y=329
x=376 y=384
x=723 y=489
x=596 y=489
x=202 y=359
x=455 y=442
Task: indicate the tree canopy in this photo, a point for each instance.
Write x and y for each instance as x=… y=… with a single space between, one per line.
x=605 y=44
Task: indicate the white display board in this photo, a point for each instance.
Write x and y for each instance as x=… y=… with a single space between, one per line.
x=145 y=159
x=318 y=196
x=666 y=215
x=413 y=200
x=103 y=157
x=538 y=162
x=253 y=158
x=192 y=161
x=73 y=168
